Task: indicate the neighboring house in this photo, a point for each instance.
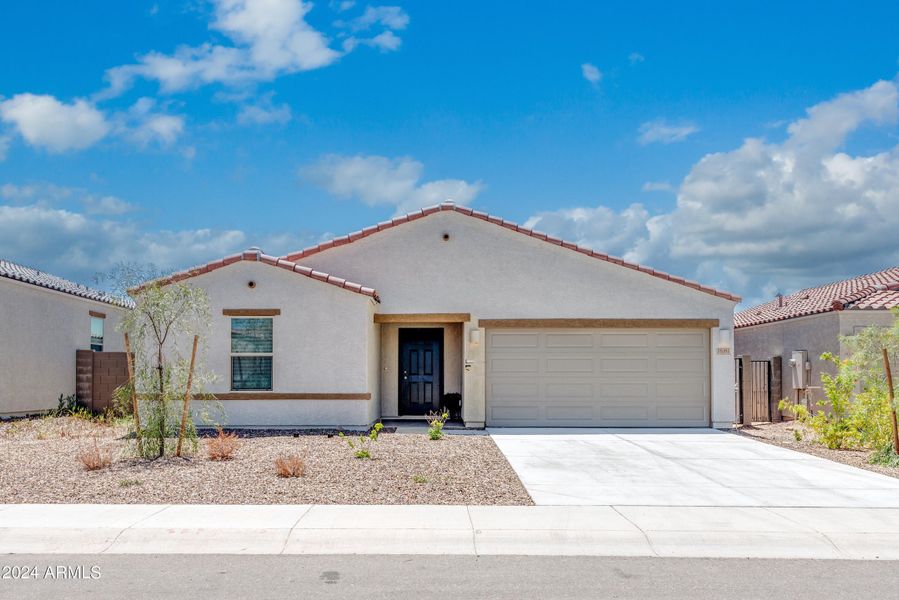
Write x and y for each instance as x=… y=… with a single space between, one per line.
x=44 y=319
x=530 y=330
x=813 y=320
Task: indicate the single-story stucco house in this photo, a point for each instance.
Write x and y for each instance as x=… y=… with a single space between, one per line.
x=812 y=321
x=44 y=320
x=529 y=330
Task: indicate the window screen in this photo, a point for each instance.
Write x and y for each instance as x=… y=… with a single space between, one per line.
x=251 y=354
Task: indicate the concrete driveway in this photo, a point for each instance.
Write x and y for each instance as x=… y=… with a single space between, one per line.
x=681 y=467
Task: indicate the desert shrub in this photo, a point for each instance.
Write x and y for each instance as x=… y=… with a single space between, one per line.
x=436 y=421
x=290 y=465
x=128 y=482
x=834 y=424
x=419 y=479
x=66 y=405
x=885 y=456
x=361 y=448
x=95 y=458
x=222 y=446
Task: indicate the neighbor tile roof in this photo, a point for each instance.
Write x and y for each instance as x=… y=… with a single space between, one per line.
x=254 y=255
x=11 y=270
x=875 y=291
x=450 y=206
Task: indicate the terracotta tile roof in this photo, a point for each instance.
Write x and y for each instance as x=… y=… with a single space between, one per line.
x=11 y=270
x=254 y=255
x=875 y=291
x=450 y=206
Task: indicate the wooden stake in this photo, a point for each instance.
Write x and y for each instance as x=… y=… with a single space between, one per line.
x=186 y=408
x=129 y=359
x=889 y=374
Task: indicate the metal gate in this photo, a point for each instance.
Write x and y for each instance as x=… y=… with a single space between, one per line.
x=761 y=389
x=752 y=390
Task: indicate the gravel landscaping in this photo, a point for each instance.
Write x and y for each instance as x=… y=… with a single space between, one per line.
x=39 y=464
x=782 y=434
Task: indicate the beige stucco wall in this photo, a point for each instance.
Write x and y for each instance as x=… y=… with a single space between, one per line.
x=40 y=330
x=324 y=341
x=816 y=334
x=853 y=320
x=492 y=272
x=389 y=351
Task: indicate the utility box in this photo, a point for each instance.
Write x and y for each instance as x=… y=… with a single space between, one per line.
x=800 y=368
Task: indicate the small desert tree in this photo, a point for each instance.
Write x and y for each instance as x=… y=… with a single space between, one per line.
x=161 y=329
x=874 y=408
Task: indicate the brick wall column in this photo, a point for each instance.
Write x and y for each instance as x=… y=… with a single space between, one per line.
x=84 y=377
x=776 y=388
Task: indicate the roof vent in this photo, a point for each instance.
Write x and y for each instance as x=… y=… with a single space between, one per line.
x=879 y=287
x=780 y=301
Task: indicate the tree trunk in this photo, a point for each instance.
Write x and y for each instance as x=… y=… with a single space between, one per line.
x=134 y=404
x=186 y=407
x=889 y=374
x=162 y=407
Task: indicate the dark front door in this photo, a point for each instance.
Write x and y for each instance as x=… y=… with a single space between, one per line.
x=421 y=370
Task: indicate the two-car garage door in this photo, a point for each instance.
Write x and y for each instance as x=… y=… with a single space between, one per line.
x=598 y=377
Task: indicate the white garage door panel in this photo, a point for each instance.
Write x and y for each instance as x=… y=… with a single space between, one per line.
x=597 y=378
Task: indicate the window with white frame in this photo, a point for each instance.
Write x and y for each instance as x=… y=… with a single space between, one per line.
x=251 y=353
x=97 y=334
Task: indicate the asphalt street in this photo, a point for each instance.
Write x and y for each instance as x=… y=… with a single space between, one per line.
x=255 y=577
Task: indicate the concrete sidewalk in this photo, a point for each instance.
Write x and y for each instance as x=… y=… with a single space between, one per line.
x=681 y=531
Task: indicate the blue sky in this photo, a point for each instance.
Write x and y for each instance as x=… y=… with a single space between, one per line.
x=625 y=128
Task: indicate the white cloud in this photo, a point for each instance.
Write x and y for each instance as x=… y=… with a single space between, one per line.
x=79 y=245
x=663 y=132
x=386 y=41
x=378 y=180
x=45 y=122
x=657 y=186
x=48 y=195
x=144 y=125
x=43 y=192
x=770 y=216
x=391 y=17
x=5 y=141
x=264 y=112
x=635 y=58
x=591 y=73
x=106 y=205
x=268 y=38
x=617 y=230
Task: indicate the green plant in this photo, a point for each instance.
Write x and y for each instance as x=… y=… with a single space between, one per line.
x=797 y=435
x=834 y=424
x=128 y=482
x=160 y=330
x=436 y=421
x=361 y=448
x=885 y=456
x=66 y=405
x=419 y=479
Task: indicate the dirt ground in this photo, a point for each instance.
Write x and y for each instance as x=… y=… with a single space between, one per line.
x=39 y=464
x=782 y=434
